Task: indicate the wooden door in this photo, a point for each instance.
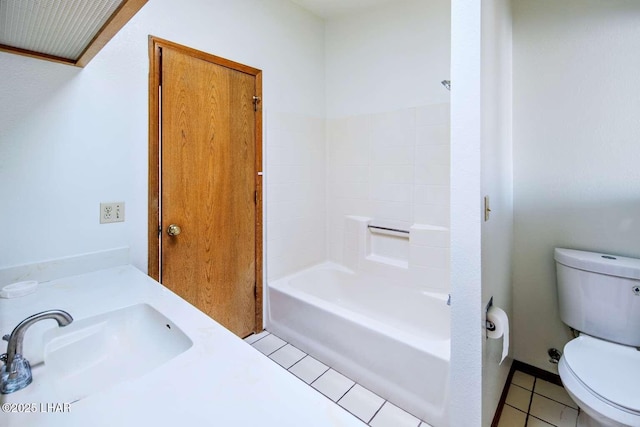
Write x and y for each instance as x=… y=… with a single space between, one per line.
x=209 y=233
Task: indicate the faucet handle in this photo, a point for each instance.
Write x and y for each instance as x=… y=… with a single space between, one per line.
x=4 y=356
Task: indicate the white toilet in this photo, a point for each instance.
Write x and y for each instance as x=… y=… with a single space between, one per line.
x=599 y=296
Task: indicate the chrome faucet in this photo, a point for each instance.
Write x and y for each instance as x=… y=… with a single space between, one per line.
x=16 y=372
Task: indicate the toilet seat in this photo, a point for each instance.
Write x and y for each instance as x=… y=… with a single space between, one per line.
x=603 y=377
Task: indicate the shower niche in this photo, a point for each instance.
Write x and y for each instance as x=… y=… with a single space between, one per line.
x=417 y=257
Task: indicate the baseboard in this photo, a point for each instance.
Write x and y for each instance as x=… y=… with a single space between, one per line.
x=537 y=372
x=503 y=396
x=527 y=369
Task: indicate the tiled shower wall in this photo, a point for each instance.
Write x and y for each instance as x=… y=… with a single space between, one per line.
x=295 y=196
x=392 y=167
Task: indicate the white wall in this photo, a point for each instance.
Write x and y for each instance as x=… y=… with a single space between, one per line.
x=497 y=183
x=466 y=277
x=388 y=58
x=72 y=138
x=576 y=150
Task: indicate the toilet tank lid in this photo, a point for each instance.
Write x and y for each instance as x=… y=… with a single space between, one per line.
x=612 y=265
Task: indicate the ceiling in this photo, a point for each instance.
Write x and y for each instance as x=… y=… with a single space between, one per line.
x=333 y=8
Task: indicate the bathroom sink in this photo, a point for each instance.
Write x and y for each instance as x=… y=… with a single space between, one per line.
x=99 y=352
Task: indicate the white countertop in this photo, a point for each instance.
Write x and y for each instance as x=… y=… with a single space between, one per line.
x=219 y=381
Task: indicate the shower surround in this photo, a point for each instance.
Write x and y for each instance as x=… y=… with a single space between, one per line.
x=377 y=311
x=392 y=167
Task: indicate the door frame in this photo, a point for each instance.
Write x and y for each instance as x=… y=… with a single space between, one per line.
x=154 y=231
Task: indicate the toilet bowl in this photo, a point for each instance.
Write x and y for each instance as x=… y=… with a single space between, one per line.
x=599 y=296
x=603 y=378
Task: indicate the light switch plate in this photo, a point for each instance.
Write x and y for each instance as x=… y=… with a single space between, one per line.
x=487 y=208
x=111 y=212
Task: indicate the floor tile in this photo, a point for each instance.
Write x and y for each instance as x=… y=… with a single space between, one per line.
x=392 y=416
x=255 y=337
x=287 y=356
x=308 y=369
x=519 y=397
x=511 y=417
x=534 y=422
x=554 y=392
x=523 y=380
x=361 y=402
x=333 y=385
x=269 y=344
x=553 y=412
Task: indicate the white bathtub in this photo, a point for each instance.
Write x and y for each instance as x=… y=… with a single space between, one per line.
x=392 y=339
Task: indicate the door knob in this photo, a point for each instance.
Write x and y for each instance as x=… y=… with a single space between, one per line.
x=173 y=230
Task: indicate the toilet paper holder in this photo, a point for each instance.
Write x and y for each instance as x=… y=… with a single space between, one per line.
x=497 y=326
x=488 y=324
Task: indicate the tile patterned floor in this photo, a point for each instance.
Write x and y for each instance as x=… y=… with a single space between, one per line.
x=360 y=402
x=534 y=402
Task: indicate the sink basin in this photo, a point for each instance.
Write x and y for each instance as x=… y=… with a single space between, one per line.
x=99 y=352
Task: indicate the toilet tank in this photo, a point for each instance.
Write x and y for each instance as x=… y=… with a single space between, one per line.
x=599 y=294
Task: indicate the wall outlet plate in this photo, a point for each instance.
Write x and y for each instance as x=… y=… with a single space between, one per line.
x=111 y=212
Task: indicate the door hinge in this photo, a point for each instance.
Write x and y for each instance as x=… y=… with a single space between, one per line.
x=256 y=101
x=159 y=231
x=160 y=76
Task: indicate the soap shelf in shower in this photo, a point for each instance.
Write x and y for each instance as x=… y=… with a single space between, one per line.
x=389 y=231
x=389 y=246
